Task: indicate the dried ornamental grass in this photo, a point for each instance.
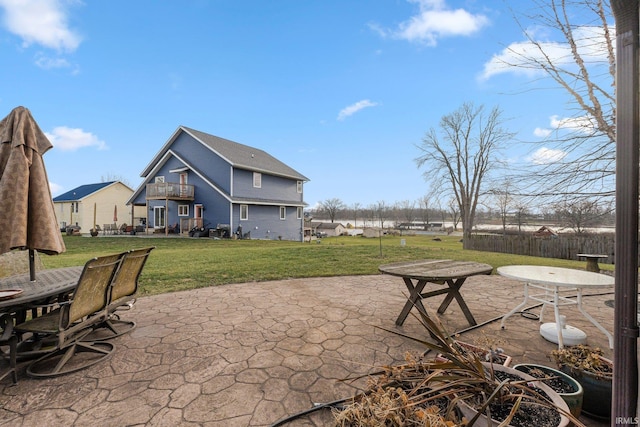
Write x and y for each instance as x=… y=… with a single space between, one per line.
x=583 y=358
x=390 y=407
x=404 y=395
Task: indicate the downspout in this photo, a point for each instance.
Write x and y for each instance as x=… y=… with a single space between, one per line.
x=231 y=203
x=625 y=361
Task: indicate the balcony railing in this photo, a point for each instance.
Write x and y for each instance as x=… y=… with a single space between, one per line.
x=170 y=190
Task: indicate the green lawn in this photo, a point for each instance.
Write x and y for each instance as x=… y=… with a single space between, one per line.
x=184 y=263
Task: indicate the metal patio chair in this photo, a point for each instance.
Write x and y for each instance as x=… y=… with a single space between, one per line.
x=123 y=291
x=9 y=339
x=73 y=320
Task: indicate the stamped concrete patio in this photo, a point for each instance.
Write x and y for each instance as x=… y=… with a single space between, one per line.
x=251 y=354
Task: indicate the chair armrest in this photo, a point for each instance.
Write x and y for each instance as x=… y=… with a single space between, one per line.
x=6 y=323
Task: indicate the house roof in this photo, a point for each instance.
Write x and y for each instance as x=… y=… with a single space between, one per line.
x=238 y=155
x=188 y=166
x=245 y=157
x=330 y=225
x=82 y=192
x=545 y=231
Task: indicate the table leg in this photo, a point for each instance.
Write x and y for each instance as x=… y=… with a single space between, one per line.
x=556 y=313
x=518 y=307
x=592 y=320
x=454 y=292
x=415 y=299
x=592 y=265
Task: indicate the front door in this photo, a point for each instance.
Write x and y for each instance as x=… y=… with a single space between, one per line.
x=183 y=185
x=198 y=213
x=159 y=217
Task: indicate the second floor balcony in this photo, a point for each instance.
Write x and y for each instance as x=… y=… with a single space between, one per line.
x=170 y=190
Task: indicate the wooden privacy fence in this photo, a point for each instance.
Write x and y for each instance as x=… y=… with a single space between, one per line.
x=562 y=246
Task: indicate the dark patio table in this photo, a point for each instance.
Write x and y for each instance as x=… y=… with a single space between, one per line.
x=417 y=274
x=48 y=284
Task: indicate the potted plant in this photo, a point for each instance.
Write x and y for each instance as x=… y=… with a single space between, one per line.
x=566 y=386
x=593 y=371
x=486 y=349
x=459 y=386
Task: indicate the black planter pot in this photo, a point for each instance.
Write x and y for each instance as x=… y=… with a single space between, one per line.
x=574 y=399
x=469 y=412
x=597 y=392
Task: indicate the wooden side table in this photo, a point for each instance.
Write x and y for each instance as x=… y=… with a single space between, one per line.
x=440 y=273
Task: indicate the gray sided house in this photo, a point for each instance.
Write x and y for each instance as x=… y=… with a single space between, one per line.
x=201 y=180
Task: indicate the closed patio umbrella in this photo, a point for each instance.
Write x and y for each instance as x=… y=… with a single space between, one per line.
x=28 y=219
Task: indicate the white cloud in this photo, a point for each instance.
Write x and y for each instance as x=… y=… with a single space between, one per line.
x=354 y=108
x=47 y=63
x=70 y=139
x=521 y=57
x=433 y=21
x=55 y=188
x=42 y=22
x=583 y=124
x=542 y=132
x=545 y=156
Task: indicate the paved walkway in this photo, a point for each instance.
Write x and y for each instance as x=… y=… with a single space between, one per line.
x=250 y=354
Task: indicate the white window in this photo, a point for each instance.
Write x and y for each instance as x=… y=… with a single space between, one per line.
x=299 y=186
x=299 y=212
x=183 y=210
x=283 y=212
x=257 y=179
x=159 y=179
x=244 y=212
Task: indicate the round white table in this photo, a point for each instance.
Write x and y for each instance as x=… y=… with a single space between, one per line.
x=552 y=282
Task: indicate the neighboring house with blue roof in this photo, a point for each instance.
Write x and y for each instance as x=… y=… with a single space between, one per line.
x=201 y=180
x=107 y=201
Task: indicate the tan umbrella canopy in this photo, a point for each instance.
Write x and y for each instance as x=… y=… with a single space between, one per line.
x=28 y=219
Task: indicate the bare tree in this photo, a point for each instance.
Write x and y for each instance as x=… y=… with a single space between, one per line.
x=580 y=215
x=424 y=203
x=332 y=207
x=356 y=207
x=407 y=211
x=112 y=177
x=463 y=154
x=582 y=64
x=442 y=211
x=454 y=210
x=382 y=212
x=503 y=200
x=521 y=210
x=370 y=214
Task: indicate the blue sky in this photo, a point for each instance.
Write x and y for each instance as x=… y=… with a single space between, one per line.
x=340 y=90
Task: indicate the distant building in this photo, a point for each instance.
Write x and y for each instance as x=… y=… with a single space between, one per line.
x=545 y=231
x=332 y=228
x=201 y=180
x=104 y=202
x=372 y=232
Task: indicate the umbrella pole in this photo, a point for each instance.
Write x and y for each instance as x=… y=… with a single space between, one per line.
x=32 y=265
